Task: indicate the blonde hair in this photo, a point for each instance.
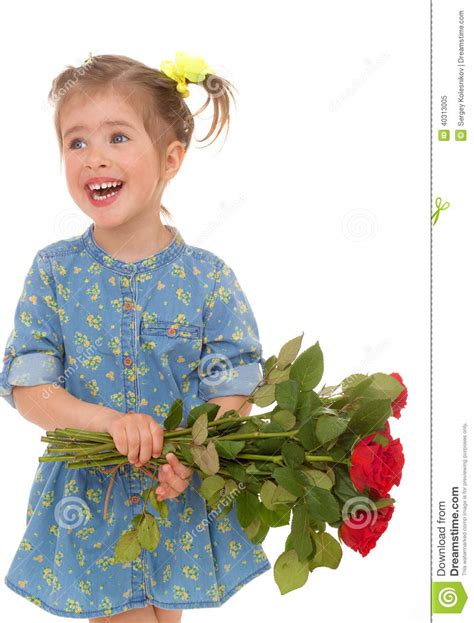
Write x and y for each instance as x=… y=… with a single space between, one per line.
x=165 y=114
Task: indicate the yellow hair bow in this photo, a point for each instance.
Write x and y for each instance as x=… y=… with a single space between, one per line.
x=192 y=68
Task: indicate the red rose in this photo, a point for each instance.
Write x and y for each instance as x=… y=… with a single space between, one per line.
x=376 y=466
x=400 y=402
x=362 y=530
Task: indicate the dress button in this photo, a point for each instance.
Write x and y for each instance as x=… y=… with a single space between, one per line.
x=128 y=306
x=171 y=331
x=135 y=499
x=127 y=361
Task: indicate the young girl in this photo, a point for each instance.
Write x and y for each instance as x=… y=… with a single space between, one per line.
x=112 y=326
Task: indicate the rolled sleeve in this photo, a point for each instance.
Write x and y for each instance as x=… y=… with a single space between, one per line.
x=34 y=353
x=231 y=358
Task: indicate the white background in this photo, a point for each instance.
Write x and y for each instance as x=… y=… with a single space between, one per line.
x=319 y=200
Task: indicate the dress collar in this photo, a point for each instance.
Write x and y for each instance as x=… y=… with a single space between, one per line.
x=166 y=255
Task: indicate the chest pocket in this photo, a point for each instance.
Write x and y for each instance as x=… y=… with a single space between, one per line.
x=176 y=344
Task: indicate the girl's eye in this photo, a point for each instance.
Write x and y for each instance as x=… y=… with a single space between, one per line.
x=79 y=140
x=120 y=135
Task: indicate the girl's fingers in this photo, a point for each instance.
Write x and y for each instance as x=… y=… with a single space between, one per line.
x=133 y=439
x=178 y=468
x=157 y=434
x=171 y=485
x=146 y=445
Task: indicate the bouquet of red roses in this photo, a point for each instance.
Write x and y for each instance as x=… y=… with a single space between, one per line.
x=316 y=459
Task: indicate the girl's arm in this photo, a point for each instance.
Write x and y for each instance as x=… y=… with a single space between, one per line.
x=60 y=409
x=231 y=402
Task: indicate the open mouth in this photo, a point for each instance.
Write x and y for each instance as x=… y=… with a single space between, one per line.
x=100 y=192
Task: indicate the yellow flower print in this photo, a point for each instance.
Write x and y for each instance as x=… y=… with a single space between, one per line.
x=84 y=533
x=110 y=375
x=93 y=362
x=73 y=606
x=94 y=321
x=95 y=268
x=64 y=292
x=180 y=593
x=71 y=487
x=25 y=545
x=178 y=271
x=48 y=499
x=33 y=299
x=160 y=285
x=26 y=318
x=93 y=387
x=183 y=296
x=234 y=548
x=191 y=572
x=196 y=270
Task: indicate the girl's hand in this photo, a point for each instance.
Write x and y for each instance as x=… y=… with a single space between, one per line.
x=174 y=478
x=136 y=435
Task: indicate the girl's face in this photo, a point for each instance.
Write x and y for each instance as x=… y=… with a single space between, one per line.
x=104 y=140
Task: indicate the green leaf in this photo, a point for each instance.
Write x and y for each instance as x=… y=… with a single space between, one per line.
x=157 y=504
x=384 y=386
x=289 y=351
x=148 y=533
x=199 y=430
x=329 y=427
x=210 y=408
x=286 y=394
x=264 y=395
x=175 y=415
x=308 y=367
x=370 y=416
x=318 y=478
x=328 y=551
x=186 y=452
x=268 y=365
x=285 y=418
x=344 y=488
x=289 y=572
x=256 y=531
x=271 y=445
x=278 y=376
x=229 y=449
x=246 y=505
x=300 y=532
x=383 y=502
x=211 y=486
x=206 y=458
x=266 y=494
x=293 y=454
x=274 y=518
x=283 y=496
x=322 y=504
x=127 y=547
x=290 y=479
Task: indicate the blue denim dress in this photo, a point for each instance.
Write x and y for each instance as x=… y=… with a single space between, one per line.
x=133 y=336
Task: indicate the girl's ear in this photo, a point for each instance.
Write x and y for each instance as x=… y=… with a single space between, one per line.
x=175 y=153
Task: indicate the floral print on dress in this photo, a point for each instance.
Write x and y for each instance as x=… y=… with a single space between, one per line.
x=133 y=336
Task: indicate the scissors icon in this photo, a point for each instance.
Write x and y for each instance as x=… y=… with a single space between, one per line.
x=439 y=207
